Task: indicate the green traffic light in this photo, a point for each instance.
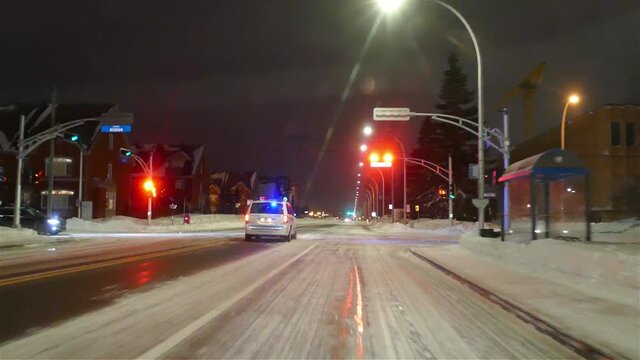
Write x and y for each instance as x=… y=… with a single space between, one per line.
x=74 y=137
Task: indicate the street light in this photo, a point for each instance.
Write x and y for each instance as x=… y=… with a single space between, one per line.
x=363 y=147
x=390 y=5
x=368 y=130
x=361 y=164
x=572 y=100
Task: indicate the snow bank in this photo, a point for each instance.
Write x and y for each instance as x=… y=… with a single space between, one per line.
x=199 y=222
x=427 y=227
x=591 y=290
x=16 y=237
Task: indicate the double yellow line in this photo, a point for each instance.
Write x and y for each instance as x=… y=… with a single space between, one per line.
x=74 y=269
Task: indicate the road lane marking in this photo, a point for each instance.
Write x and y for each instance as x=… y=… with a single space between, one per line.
x=163 y=347
x=51 y=273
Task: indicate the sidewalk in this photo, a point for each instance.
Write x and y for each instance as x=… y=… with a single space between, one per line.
x=590 y=291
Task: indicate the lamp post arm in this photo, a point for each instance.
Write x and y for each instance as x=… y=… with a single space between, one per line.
x=439 y=170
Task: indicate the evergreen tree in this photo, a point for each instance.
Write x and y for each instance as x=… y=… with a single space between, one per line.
x=437 y=140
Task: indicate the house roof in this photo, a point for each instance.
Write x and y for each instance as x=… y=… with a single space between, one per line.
x=38 y=119
x=228 y=179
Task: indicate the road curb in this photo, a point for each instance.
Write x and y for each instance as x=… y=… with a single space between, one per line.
x=578 y=346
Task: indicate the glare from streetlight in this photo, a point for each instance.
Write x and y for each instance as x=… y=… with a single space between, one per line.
x=363 y=147
x=389 y=6
x=388 y=157
x=374 y=157
x=361 y=164
x=368 y=130
x=358 y=175
x=574 y=99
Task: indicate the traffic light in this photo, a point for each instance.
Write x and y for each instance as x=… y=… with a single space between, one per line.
x=125 y=152
x=452 y=192
x=71 y=137
x=442 y=192
x=374 y=157
x=387 y=157
x=149 y=187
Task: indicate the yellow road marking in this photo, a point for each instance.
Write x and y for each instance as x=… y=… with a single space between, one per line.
x=51 y=273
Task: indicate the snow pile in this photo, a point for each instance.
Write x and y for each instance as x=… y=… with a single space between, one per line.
x=428 y=227
x=594 y=264
x=16 y=237
x=591 y=290
x=199 y=222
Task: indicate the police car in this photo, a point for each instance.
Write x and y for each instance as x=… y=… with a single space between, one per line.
x=270 y=219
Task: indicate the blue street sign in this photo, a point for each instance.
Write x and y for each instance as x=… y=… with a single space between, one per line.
x=115 y=128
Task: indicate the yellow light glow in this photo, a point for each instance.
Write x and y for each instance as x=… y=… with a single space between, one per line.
x=388 y=157
x=374 y=157
x=574 y=99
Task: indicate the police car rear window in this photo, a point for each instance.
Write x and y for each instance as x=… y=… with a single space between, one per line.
x=266 y=208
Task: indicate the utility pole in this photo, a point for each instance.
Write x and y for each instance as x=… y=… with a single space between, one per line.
x=52 y=153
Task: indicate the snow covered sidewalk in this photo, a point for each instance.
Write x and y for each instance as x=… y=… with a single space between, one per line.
x=589 y=290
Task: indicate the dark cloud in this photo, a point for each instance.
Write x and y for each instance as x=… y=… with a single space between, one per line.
x=259 y=81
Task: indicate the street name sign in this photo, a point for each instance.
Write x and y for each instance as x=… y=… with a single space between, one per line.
x=115 y=128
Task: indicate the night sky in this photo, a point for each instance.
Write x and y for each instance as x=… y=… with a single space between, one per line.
x=260 y=82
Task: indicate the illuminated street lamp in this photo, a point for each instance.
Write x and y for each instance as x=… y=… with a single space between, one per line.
x=368 y=130
x=389 y=6
x=572 y=100
x=363 y=147
x=361 y=164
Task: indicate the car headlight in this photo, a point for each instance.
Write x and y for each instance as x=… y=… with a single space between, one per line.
x=54 y=222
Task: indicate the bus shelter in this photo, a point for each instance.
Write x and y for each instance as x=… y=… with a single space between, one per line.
x=546 y=196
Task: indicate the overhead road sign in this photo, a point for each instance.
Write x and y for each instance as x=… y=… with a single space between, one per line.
x=115 y=128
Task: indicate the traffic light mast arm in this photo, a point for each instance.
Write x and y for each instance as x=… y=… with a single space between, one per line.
x=142 y=164
x=439 y=170
x=468 y=126
x=34 y=141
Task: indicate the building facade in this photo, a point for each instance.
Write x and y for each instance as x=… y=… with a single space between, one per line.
x=607 y=139
x=103 y=186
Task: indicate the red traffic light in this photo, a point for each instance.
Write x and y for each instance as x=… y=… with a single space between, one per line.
x=149 y=187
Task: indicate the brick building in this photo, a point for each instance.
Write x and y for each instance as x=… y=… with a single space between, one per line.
x=607 y=139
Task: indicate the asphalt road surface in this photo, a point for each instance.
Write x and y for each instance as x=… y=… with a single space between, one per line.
x=339 y=291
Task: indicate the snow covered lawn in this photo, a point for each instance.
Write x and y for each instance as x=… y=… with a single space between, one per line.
x=590 y=290
x=199 y=222
x=437 y=229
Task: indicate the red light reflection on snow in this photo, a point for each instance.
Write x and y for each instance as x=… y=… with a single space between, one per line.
x=356 y=315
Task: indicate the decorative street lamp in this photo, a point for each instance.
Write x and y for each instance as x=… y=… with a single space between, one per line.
x=572 y=100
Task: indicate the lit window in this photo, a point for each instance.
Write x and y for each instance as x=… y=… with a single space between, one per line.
x=59 y=199
x=61 y=166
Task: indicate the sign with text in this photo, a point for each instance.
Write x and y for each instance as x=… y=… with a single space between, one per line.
x=380 y=164
x=115 y=128
x=391 y=114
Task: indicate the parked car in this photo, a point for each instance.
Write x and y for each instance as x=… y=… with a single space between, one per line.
x=33 y=219
x=270 y=219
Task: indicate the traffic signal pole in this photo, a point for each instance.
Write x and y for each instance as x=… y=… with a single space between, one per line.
x=150 y=194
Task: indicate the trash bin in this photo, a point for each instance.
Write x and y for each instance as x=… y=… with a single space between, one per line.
x=186 y=219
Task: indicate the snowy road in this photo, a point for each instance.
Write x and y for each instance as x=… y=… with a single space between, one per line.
x=337 y=292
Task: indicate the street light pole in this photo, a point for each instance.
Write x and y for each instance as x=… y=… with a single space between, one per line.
x=506 y=157
x=480 y=202
x=18 y=196
x=573 y=99
x=450 y=189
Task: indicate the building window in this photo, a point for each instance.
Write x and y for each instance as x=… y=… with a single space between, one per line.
x=180 y=184
x=111 y=201
x=61 y=166
x=629 y=134
x=615 y=134
x=59 y=200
